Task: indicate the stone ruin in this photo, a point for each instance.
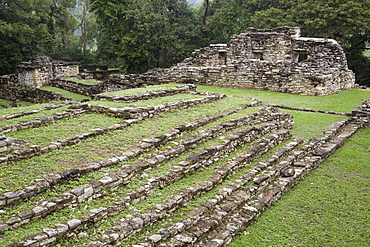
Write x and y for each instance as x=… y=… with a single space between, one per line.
x=40 y=70
x=276 y=59
x=266 y=59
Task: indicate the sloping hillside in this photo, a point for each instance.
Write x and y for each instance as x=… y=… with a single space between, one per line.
x=162 y=166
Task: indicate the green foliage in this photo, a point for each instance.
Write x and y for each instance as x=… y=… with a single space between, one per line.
x=145 y=34
x=328 y=208
x=38 y=27
x=227 y=18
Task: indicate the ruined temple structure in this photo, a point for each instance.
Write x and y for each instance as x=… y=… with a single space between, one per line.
x=266 y=59
x=40 y=70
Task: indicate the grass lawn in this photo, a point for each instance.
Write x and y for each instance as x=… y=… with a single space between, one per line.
x=87 y=81
x=65 y=93
x=310 y=124
x=5 y=102
x=148 y=102
x=141 y=89
x=33 y=116
x=12 y=110
x=330 y=207
x=46 y=134
x=343 y=101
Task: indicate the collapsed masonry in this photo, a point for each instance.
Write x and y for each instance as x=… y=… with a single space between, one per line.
x=266 y=59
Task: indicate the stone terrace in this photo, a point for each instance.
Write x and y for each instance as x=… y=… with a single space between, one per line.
x=197 y=183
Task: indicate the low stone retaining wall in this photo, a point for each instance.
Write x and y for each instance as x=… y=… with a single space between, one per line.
x=309 y=110
x=7 y=144
x=134 y=113
x=121 y=177
x=362 y=114
x=149 y=94
x=75 y=87
x=25 y=113
x=205 y=157
x=26 y=94
x=69 y=113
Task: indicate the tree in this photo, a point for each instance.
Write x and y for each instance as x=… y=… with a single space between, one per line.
x=35 y=27
x=227 y=18
x=143 y=34
x=22 y=31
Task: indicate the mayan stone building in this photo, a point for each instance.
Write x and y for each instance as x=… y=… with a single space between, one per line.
x=267 y=59
x=40 y=70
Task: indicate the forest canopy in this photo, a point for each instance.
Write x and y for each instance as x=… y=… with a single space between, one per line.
x=138 y=35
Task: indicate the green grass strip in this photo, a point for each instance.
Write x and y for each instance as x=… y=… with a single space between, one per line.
x=146 y=103
x=310 y=124
x=141 y=89
x=9 y=111
x=5 y=102
x=65 y=93
x=44 y=135
x=33 y=116
x=330 y=207
x=86 y=81
x=343 y=101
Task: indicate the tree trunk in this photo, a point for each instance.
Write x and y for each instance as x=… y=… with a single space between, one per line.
x=205 y=14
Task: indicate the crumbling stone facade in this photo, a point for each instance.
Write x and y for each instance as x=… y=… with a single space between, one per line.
x=40 y=70
x=266 y=59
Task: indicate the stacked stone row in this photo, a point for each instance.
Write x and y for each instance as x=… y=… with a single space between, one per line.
x=67 y=114
x=362 y=114
x=134 y=114
x=192 y=163
x=309 y=110
x=122 y=176
x=41 y=185
x=25 y=113
x=240 y=219
x=124 y=229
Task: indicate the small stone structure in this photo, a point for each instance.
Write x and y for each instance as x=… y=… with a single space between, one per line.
x=40 y=70
x=266 y=59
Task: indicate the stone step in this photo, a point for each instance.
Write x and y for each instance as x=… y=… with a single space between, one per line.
x=185 y=195
x=52 y=180
x=241 y=219
x=178 y=172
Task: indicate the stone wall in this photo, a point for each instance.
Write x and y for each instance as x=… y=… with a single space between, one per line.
x=40 y=70
x=362 y=114
x=264 y=59
x=75 y=87
x=33 y=95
